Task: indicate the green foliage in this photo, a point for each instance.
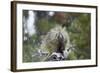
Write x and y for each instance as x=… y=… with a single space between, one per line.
x=44 y=25
x=72 y=56
x=82 y=37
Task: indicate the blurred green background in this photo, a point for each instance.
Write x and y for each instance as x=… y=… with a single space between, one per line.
x=78 y=26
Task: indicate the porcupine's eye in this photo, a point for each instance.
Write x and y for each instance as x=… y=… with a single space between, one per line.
x=54 y=57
